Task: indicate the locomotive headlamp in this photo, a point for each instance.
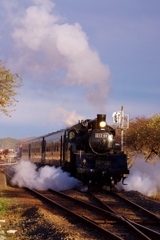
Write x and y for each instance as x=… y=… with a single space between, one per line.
x=101 y=120
x=102 y=124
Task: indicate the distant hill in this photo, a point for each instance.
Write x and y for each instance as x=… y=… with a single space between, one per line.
x=11 y=143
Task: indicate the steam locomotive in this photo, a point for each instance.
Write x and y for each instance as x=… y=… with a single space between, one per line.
x=87 y=151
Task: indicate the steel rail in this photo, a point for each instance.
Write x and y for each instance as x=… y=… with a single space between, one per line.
x=137 y=227
x=107 y=213
x=138 y=206
x=149 y=232
x=82 y=218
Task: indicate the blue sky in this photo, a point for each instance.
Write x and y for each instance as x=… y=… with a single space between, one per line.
x=79 y=58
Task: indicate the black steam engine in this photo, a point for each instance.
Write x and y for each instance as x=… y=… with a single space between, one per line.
x=87 y=150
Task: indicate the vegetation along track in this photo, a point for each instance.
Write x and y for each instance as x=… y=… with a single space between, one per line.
x=111 y=225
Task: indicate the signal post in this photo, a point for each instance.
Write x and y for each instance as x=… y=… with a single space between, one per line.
x=122 y=121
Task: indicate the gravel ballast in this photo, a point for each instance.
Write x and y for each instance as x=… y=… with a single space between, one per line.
x=32 y=220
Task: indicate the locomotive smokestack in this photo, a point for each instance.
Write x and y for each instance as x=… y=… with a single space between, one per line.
x=101 y=117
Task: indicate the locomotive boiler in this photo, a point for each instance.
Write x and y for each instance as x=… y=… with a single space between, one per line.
x=87 y=150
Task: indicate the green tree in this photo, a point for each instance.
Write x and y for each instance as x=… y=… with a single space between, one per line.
x=9 y=82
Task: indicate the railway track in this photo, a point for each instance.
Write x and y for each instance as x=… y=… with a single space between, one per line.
x=110 y=224
x=110 y=214
x=141 y=218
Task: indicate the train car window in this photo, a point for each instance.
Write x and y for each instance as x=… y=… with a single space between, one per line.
x=58 y=147
x=54 y=147
x=35 y=150
x=66 y=133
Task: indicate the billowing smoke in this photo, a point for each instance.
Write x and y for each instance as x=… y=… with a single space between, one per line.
x=143 y=177
x=27 y=175
x=70 y=118
x=46 y=43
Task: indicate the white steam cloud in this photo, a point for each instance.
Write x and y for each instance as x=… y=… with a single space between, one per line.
x=26 y=175
x=143 y=177
x=70 y=117
x=46 y=43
